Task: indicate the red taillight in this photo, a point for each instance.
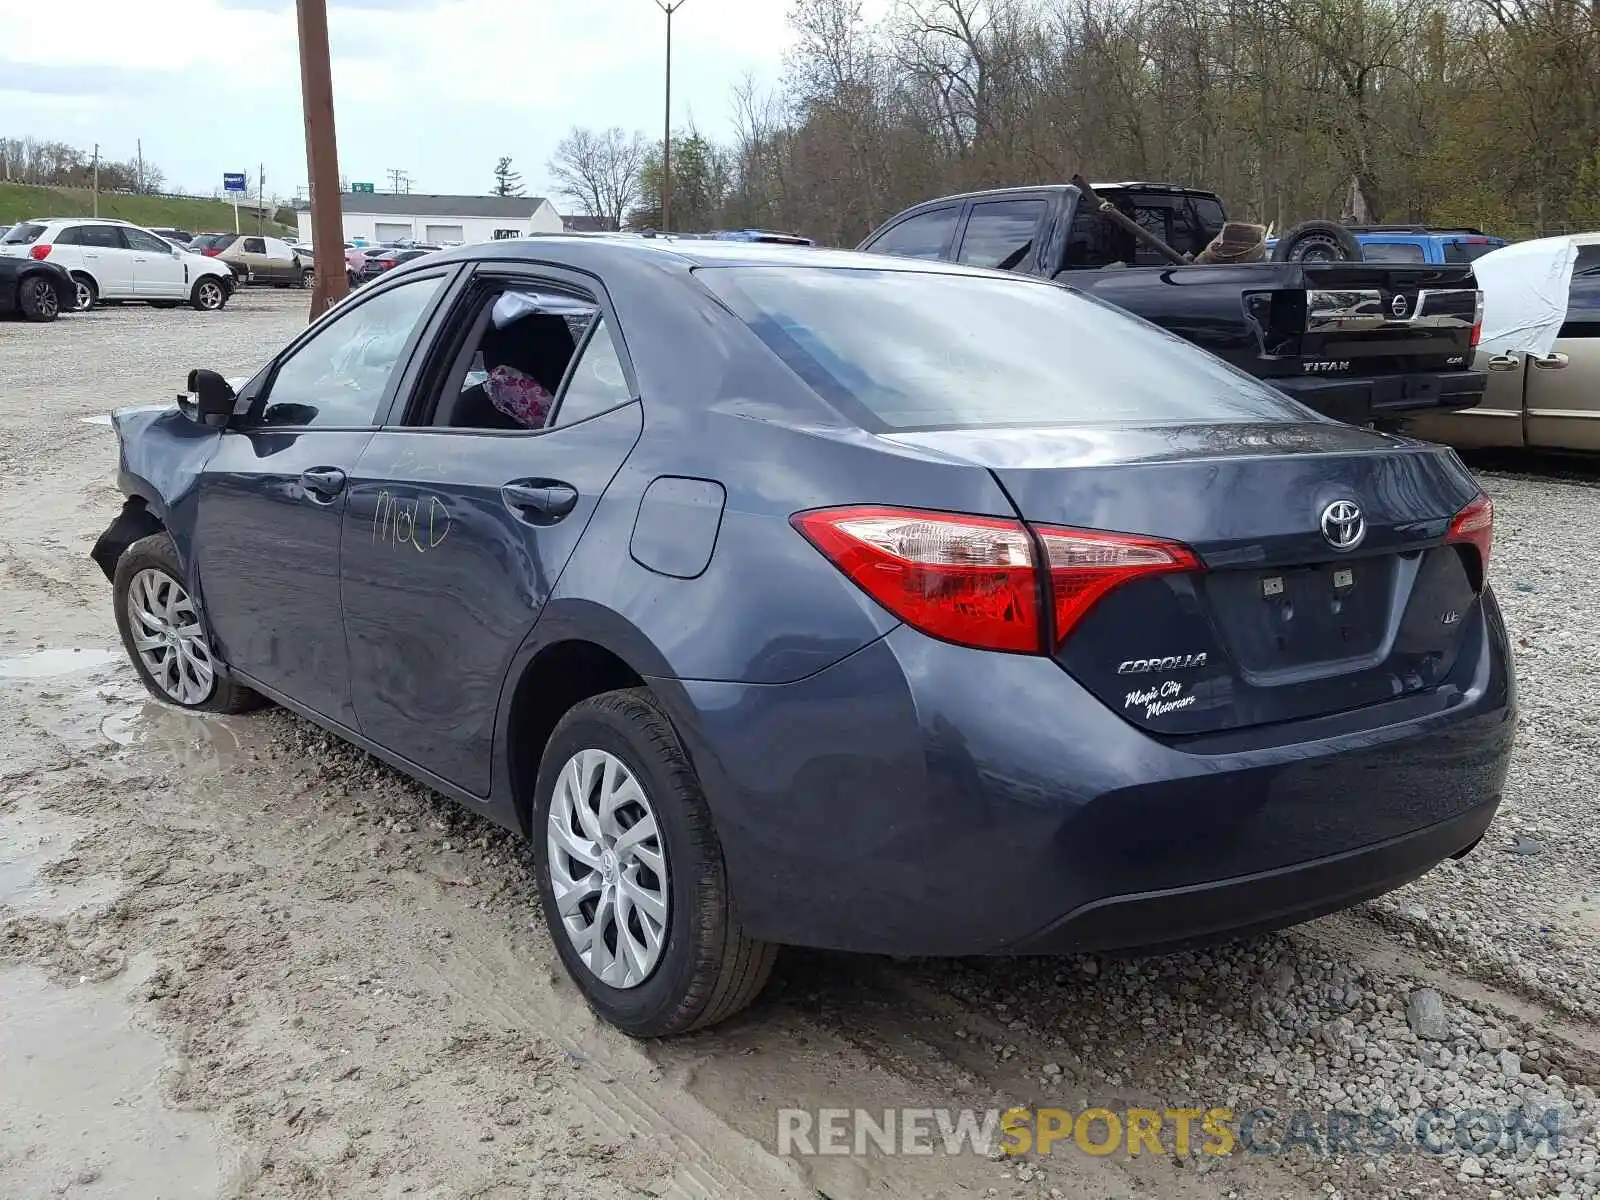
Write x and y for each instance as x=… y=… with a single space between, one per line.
x=1477 y=321
x=976 y=581
x=968 y=580
x=1474 y=526
x=1086 y=564
x=40 y=251
x=211 y=252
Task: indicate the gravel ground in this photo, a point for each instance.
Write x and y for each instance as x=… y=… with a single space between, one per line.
x=240 y=958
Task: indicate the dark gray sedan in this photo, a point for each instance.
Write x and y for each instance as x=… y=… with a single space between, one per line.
x=796 y=596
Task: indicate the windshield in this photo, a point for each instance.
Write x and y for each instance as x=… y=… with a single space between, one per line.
x=23 y=235
x=909 y=349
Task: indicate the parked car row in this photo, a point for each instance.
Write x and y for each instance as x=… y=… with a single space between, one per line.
x=107 y=260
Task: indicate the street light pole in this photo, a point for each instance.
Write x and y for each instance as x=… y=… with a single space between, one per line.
x=322 y=156
x=666 y=136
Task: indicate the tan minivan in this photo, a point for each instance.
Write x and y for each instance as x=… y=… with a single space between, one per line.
x=1547 y=401
x=259 y=259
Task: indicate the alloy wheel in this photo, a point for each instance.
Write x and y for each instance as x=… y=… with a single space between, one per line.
x=608 y=870
x=83 y=296
x=169 y=637
x=45 y=299
x=210 y=294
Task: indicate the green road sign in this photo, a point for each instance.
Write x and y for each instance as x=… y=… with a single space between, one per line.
x=361 y=189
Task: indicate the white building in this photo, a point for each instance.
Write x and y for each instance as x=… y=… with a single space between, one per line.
x=439 y=219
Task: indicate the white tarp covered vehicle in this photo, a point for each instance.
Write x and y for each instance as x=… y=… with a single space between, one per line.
x=1541 y=347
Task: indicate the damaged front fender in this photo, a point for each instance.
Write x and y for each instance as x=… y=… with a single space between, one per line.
x=161 y=454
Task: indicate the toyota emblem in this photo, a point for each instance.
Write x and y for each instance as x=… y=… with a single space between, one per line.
x=1398 y=305
x=1343 y=525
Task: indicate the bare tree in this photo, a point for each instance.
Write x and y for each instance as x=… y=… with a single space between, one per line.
x=600 y=172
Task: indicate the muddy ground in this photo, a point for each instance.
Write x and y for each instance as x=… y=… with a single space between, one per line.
x=239 y=959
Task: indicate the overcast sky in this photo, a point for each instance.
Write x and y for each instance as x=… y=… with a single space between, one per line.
x=439 y=88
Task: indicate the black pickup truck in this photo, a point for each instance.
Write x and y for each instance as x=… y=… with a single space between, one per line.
x=1361 y=342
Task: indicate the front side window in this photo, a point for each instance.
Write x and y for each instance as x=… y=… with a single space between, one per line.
x=1000 y=234
x=906 y=349
x=254 y=246
x=138 y=239
x=923 y=236
x=341 y=375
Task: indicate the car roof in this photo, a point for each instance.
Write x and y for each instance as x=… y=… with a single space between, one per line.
x=694 y=252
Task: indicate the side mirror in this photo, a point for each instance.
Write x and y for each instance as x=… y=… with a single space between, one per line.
x=209 y=401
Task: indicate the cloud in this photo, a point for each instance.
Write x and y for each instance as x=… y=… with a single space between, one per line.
x=90 y=79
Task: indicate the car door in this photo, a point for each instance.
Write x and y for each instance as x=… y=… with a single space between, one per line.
x=108 y=260
x=280 y=260
x=158 y=269
x=252 y=255
x=1563 y=390
x=273 y=494
x=462 y=516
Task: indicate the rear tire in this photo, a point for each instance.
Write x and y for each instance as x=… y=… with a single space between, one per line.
x=198 y=681
x=708 y=968
x=307 y=278
x=208 y=294
x=1317 y=241
x=88 y=293
x=37 y=299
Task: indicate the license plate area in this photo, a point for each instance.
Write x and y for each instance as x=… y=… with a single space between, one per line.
x=1295 y=617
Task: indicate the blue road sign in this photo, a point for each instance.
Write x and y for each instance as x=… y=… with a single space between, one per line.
x=232 y=182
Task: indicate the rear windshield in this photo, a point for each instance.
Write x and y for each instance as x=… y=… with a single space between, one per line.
x=914 y=350
x=22 y=235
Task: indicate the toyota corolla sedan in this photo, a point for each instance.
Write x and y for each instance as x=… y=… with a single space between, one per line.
x=804 y=597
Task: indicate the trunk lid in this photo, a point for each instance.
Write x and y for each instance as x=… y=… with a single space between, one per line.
x=1281 y=624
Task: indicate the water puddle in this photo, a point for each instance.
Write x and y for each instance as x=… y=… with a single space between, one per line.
x=81 y=1112
x=61 y=660
x=30 y=841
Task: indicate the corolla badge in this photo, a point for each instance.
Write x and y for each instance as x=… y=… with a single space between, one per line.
x=1343 y=525
x=1171 y=662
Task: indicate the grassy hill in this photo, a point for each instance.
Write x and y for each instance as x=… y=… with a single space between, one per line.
x=18 y=202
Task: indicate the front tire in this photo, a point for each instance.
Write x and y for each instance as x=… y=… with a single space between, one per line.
x=37 y=299
x=307 y=278
x=164 y=632
x=87 y=294
x=631 y=875
x=208 y=294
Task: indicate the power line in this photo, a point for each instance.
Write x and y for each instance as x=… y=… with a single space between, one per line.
x=399 y=181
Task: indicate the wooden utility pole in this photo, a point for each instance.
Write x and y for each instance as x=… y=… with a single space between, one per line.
x=322 y=156
x=96 y=178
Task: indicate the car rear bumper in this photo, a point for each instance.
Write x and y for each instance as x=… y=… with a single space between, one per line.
x=1386 y=397
x=920 y=798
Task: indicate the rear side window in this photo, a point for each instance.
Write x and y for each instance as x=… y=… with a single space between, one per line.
x=920 y=349
x=22 y=235
x=1395 y=252
x=1465 y=252
x=1000 y=233
x=101 y=237
x=923 y=236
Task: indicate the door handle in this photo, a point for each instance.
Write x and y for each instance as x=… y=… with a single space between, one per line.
x=550 y=501
x=324 y=483
x=1503 y=362
x=1553 y=362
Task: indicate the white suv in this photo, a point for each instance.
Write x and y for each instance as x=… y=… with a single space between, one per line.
x=116 y=260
